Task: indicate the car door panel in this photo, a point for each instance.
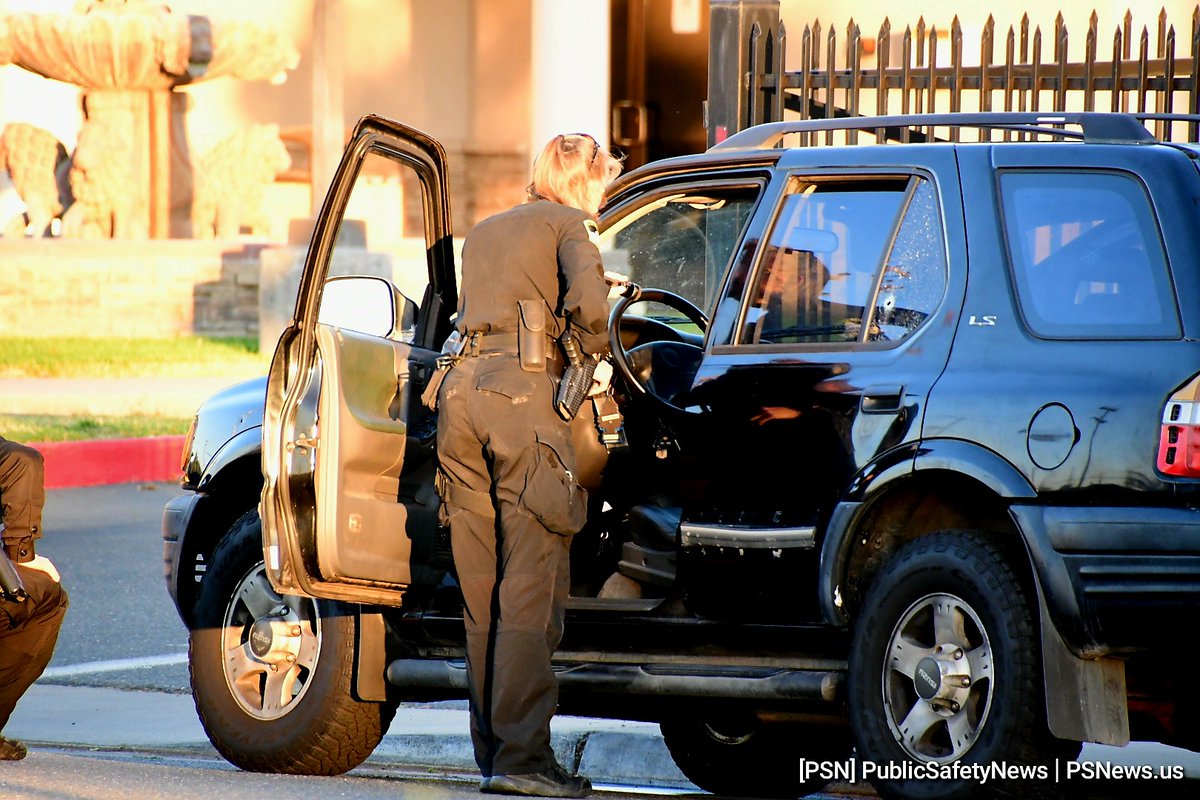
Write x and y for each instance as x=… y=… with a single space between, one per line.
x=363 y=433
x=339 y=447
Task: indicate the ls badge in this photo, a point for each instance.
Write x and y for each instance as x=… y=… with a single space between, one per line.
x=984 y=321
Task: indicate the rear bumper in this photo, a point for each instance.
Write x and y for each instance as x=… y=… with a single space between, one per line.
x=1116 y=579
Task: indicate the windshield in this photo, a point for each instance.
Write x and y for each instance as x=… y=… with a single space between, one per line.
x=680 y=241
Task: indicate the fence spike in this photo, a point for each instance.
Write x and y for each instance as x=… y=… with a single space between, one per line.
x=931 y=87
x=906 y=47
x=987 y=54
x=1036 y=59
x=1010 y=54
x=830 y=79
x=883 y=53
x=883 y=44
x=1167 y=95
x=1118 y=94
x=956 y=51
x=1061 y=48
x=1143 y=69
x=920 y=43
x=1089 y=65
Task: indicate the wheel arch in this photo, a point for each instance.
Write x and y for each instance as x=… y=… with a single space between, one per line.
x=244 y=446
x=961 y=489
x=227 y=495
x=951 y=485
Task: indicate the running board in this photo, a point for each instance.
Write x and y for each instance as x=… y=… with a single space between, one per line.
x=629 y=679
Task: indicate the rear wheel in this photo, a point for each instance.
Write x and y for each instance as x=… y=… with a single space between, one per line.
x=271 y=674
x=742 y=756
x=946 y=672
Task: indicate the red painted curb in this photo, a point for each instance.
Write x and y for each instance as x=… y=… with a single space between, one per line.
x=103 y=461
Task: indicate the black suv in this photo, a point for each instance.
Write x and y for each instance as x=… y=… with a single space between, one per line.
x=913 y=448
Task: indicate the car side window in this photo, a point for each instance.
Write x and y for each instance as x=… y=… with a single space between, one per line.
x=680 y=240
x=382 y=235
x=849 y=260
x=1086 y=255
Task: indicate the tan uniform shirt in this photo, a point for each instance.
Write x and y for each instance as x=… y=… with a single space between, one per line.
x=519 y=254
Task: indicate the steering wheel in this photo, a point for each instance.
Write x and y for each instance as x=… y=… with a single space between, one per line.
x=664 y=369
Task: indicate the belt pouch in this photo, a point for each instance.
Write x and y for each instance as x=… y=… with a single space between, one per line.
x=531 y=335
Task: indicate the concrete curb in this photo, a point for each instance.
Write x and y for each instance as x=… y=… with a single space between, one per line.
x=99 y=462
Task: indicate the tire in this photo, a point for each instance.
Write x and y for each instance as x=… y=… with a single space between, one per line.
x=301 y=653
x=981 y=699
x=740 y=756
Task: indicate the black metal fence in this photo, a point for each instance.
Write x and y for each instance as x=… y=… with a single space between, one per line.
x=1020 y=70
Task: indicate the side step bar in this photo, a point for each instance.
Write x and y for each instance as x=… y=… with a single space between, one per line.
x=629 y=679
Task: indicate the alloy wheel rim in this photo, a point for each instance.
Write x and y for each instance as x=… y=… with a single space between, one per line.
x=938 y=679
x=269 y=646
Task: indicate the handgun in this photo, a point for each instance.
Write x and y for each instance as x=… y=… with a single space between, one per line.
x=576 y=379
x=11 y=587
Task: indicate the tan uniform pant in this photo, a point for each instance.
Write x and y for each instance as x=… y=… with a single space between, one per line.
x=28 y=633
x=503 y=453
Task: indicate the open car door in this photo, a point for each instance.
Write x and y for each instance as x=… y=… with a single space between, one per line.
x=347 y=446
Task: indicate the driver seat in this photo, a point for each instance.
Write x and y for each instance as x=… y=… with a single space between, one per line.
x=649 y=556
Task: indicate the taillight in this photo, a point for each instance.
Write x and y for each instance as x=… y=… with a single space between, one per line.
x=1179 y=439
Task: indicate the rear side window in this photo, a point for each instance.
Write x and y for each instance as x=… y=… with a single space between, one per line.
x=1087 y=257
x=849 y=260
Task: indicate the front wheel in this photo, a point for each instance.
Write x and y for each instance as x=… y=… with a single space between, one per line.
x=272 y=674
x=946 y=674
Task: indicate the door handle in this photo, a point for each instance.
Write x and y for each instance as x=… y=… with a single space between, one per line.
x=302 y=443
x=882 y=399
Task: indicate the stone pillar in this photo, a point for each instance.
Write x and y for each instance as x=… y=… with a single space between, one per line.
x=570 y=80
x=328 y=112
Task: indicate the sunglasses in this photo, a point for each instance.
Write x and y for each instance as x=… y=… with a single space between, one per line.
x=588 y=136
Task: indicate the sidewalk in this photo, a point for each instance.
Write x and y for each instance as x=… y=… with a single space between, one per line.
x=425 y=737
x=168 y=397
x=421 y=736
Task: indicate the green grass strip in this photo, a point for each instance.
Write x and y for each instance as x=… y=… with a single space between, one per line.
x=73 y=428
x=114 y=357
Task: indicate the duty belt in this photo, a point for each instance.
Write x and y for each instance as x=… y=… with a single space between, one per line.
x=486 y=344
x=480 y=344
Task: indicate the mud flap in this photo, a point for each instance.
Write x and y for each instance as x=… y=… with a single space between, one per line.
x=370 y=658
x=1085 y=698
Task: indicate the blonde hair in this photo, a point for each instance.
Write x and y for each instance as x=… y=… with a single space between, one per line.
x=573 y=169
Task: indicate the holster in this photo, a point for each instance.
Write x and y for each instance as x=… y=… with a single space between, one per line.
x=531 y=335
x=452 y=350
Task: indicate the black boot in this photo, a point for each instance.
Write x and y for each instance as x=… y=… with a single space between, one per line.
x=11 y=750
x=553 y=782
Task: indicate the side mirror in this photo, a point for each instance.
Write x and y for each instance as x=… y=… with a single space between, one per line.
x=368 y=305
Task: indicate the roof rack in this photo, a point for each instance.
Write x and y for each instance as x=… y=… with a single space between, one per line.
x=1095 y=127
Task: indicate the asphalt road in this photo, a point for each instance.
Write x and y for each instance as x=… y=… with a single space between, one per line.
x=122 y=632
x=107 y=545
